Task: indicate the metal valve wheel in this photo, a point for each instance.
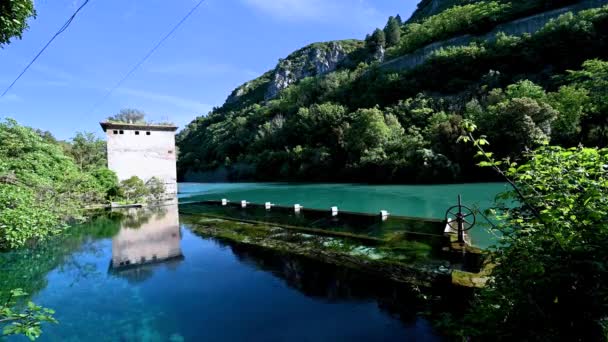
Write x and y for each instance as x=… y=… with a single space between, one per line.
x=461 y=219
x=464 y=213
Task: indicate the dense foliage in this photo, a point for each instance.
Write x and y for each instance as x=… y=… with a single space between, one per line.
x=13 y=18
x=469 y=18
x=549 y=280
x=313 y=130
x=135 y=190
x=429 y=8
x=27 y=322
x=40 y=186
x=88 y=151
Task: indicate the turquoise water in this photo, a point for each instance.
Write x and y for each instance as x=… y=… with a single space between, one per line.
x=141 y=275
x=427 y=201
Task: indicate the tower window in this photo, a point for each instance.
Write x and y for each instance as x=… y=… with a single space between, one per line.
x=147 y=133
x=136 y=132
x=170 y=151
x=122 y=132
x=115 y=132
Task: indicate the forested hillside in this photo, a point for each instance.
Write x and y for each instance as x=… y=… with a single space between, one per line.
x=428 y=8
x=329 y=112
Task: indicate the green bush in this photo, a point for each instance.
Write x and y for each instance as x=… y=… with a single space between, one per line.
x=133 y=190
x=156 y=188
x=40 y=186
x=550 y=264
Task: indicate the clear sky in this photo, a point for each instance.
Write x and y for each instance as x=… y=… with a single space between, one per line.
x=222 y=45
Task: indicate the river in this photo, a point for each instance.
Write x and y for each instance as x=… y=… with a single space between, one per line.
x=144 y=276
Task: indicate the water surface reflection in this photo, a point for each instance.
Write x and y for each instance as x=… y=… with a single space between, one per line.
x=147 y=238
x=166 y=283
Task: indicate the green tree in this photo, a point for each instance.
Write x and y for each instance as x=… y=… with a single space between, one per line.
x=40 y=186
x=156 y=188
x=399 y=20
x=367 y=135
x=376 y=41
x=392 y=32
x=88 y=151
x=594 y=78
x=129 y=115
x=527 y=89
x=14 y=15
x=548 y=280
x=517 y=123
x=134 y=189
x=108 y=182
x=572 y=104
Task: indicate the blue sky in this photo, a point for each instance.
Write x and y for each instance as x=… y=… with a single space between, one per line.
x=222 y=45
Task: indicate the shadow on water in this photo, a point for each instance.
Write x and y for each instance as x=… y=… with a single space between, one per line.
x=332 y=283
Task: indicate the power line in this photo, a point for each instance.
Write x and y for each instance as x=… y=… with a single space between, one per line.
x=63 y=28
x=147 y=55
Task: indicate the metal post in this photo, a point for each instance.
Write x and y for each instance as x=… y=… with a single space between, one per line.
x=460 y=220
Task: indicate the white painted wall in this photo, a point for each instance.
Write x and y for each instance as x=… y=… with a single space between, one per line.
x=144 y=156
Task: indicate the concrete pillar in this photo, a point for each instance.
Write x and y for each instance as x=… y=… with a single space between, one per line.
x=334 y=211
x=384 y=214
x=224 y=202
x=244 y=204
x=297 y=208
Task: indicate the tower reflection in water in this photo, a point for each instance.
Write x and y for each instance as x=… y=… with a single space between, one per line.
x=147 y=238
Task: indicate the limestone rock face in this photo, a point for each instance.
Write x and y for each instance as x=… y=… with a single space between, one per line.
x=313 y=60
x=237 y=93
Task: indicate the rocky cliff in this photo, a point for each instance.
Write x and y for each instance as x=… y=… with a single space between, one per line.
x=312 y=60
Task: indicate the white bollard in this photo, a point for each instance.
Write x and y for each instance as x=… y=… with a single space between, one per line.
x=224 y=202
x=244 y=204
x=297 y=208
x=268 y=205
x=384 y=214
x=334 y=211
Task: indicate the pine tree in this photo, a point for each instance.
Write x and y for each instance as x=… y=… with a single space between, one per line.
x=399 y=20
x=392 y=32
x=376 y=41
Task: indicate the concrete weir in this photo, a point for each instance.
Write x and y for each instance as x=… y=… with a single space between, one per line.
x=406 y=249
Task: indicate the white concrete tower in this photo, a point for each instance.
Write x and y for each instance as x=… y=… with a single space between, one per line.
x=144 y=151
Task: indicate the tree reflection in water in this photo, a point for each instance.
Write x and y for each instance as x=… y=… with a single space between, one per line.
x=337 y=283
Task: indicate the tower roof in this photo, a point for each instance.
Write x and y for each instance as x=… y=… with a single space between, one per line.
x=105 y=125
